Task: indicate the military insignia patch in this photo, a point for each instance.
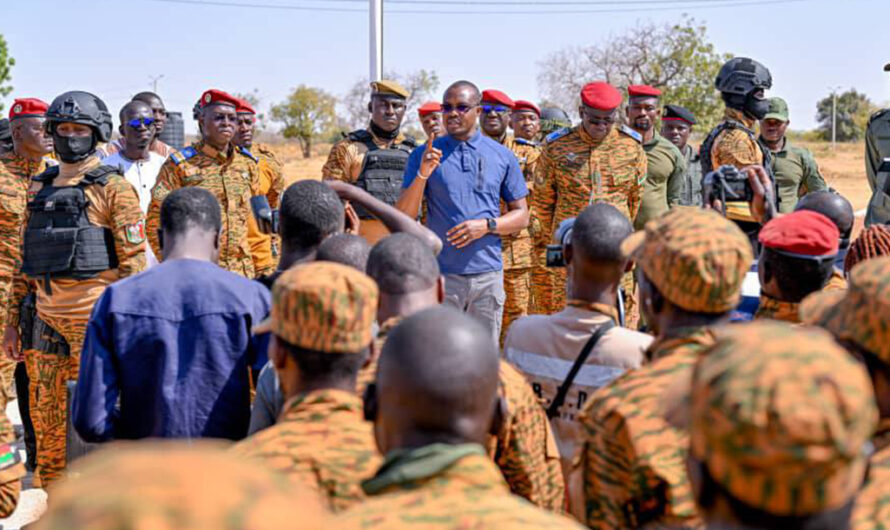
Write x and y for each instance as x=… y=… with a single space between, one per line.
x=17 y=109
x=135 y=233
x=8 y=456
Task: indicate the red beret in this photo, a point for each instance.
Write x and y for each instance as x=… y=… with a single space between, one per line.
x=27 y=108
x=600 y=95
x=244 y=107
x=643 y=91
x=496 y=96
x=802 y=234
x=526 y=105
x=214 y=96
x=429 y=108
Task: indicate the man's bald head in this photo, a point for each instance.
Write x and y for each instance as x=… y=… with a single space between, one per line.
x=832 y=205
x=437 y=381
x=133 y=108
x=402 y=264
x=346 y=249
x=465 y=85
x=599 y=231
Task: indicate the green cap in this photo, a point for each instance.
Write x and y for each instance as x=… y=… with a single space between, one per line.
x=778 y=110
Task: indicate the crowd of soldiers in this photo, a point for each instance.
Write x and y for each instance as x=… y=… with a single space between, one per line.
x=547 y=328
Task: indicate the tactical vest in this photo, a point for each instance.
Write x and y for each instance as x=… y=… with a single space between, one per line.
x=60 y=241
x=382 y=170
x=705 y=151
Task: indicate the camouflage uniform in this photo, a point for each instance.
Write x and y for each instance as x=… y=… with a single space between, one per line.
x=759 y=440
x=575 y=170
x=525 y=449
x=735 y=147
x=858 y=315
x=517 y=250
x=632 y=459
x=451 y=487
x=11 y=468
x=173 y=486
x=663 y=187
x=321 y=441
x=65 y=305
x=777 y=309
x=233 y=178
x=265 y=247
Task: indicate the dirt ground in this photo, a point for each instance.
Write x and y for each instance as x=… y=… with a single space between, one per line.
x=843 y=168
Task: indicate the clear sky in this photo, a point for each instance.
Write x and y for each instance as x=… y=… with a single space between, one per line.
x=111 y=47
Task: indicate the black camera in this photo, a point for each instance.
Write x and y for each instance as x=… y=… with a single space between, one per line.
x=555 y=256
x=727 y=184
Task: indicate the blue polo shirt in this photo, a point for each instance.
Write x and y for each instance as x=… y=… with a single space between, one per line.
x=469 y=184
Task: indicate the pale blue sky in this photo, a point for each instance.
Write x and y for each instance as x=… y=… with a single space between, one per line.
x=112 y=47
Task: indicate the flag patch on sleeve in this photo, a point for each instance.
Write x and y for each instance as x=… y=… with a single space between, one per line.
x=135 y=232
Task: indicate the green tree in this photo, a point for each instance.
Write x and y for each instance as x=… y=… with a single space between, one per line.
x=253 y=97
x=307 y=113
x=676 y=58
x=853 y=111
x=6 y=64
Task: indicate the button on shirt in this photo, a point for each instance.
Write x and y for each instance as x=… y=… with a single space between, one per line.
x=469 y=184
x=142 y=174
x=174 y=343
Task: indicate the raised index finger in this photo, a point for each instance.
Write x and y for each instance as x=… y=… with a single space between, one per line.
x=429 y=143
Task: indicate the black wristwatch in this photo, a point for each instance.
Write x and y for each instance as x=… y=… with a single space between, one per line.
x=492 y=226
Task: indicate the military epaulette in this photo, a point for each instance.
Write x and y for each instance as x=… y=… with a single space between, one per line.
x=632 y=133
x=523 y=141
x=556 y=135
x=246 y=152
x=183 y=154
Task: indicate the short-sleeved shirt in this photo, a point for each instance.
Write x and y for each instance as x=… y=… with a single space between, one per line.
x=469 y=184
x=142 y=174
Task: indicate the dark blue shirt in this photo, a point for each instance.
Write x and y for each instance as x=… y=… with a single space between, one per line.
x=469 y=184
x=174 y=344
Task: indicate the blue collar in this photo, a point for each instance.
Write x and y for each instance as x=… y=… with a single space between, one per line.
x=473 y=142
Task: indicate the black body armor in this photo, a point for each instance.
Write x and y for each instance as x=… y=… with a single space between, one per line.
x=382 y=170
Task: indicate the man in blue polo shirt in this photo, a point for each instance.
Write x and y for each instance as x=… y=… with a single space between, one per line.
x=463 y=177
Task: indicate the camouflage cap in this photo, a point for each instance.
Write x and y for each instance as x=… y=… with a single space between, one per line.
x=170 y=485
x=696 y=259
x=858 y=314
x=782 y=417
x=778 y=110
x=323 y=306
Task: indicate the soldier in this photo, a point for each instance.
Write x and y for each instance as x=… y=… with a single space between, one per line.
x=591 y=162
x=666 y=165
x=797 y=259
x=407 y=275
x=872 y=242
x=380 y=173
x=877 y=148
x=741 y=83
x=69 y=268
x=858 y=320
x=177 y=486
x=516 y=249
x=321 y=324
x=794 y=168
x=676 y=125
x=271 y=180
x=837 y=208
x=525 y=120
x=780 y=423
x=430 y=114
x=552 y=120
x=432 y=406
x=632 y=459
x=5 y=136
x=215 y=164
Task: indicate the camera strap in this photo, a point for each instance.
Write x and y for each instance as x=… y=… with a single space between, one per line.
x=553 y=409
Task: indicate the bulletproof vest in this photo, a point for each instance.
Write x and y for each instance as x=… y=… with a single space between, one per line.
x=60 y=241
x=383 y=169
x=708 y=144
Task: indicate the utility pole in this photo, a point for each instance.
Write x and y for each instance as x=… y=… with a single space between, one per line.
x=154 y=82
x=833 y=120
x=375 y=34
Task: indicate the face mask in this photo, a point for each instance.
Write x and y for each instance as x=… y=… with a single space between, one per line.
x=756 y=108
x=74 y=149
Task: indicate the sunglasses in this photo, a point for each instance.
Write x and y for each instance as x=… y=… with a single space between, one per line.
x=447 y=108
x=136 y=122
x=500 y=109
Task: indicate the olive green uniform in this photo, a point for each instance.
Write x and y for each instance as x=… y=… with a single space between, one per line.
x=664 y=179
x=690 y=190
x=877 y=147
x=796 y=174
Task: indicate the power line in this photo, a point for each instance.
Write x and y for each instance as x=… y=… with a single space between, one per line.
x=702 y=4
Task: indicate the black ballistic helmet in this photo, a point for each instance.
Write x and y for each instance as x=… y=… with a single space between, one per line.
x=740 y=75
x=556 y=114
x=80 y=107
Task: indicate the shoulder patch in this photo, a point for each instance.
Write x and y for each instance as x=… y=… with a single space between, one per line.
x=183 y=154
x=556 y=135
x=135 y=233
x=523 y=141
x=632 y=133
x=246 y=152
x=8 y=456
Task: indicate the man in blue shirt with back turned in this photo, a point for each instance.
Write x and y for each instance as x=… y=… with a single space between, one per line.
x=174 y=343
x=463 y=177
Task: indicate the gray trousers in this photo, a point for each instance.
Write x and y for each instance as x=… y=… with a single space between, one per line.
x=479 y=295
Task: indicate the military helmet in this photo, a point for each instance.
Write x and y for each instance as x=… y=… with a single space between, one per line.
x=555 y=114
x=742 y=75
x=81 y=107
